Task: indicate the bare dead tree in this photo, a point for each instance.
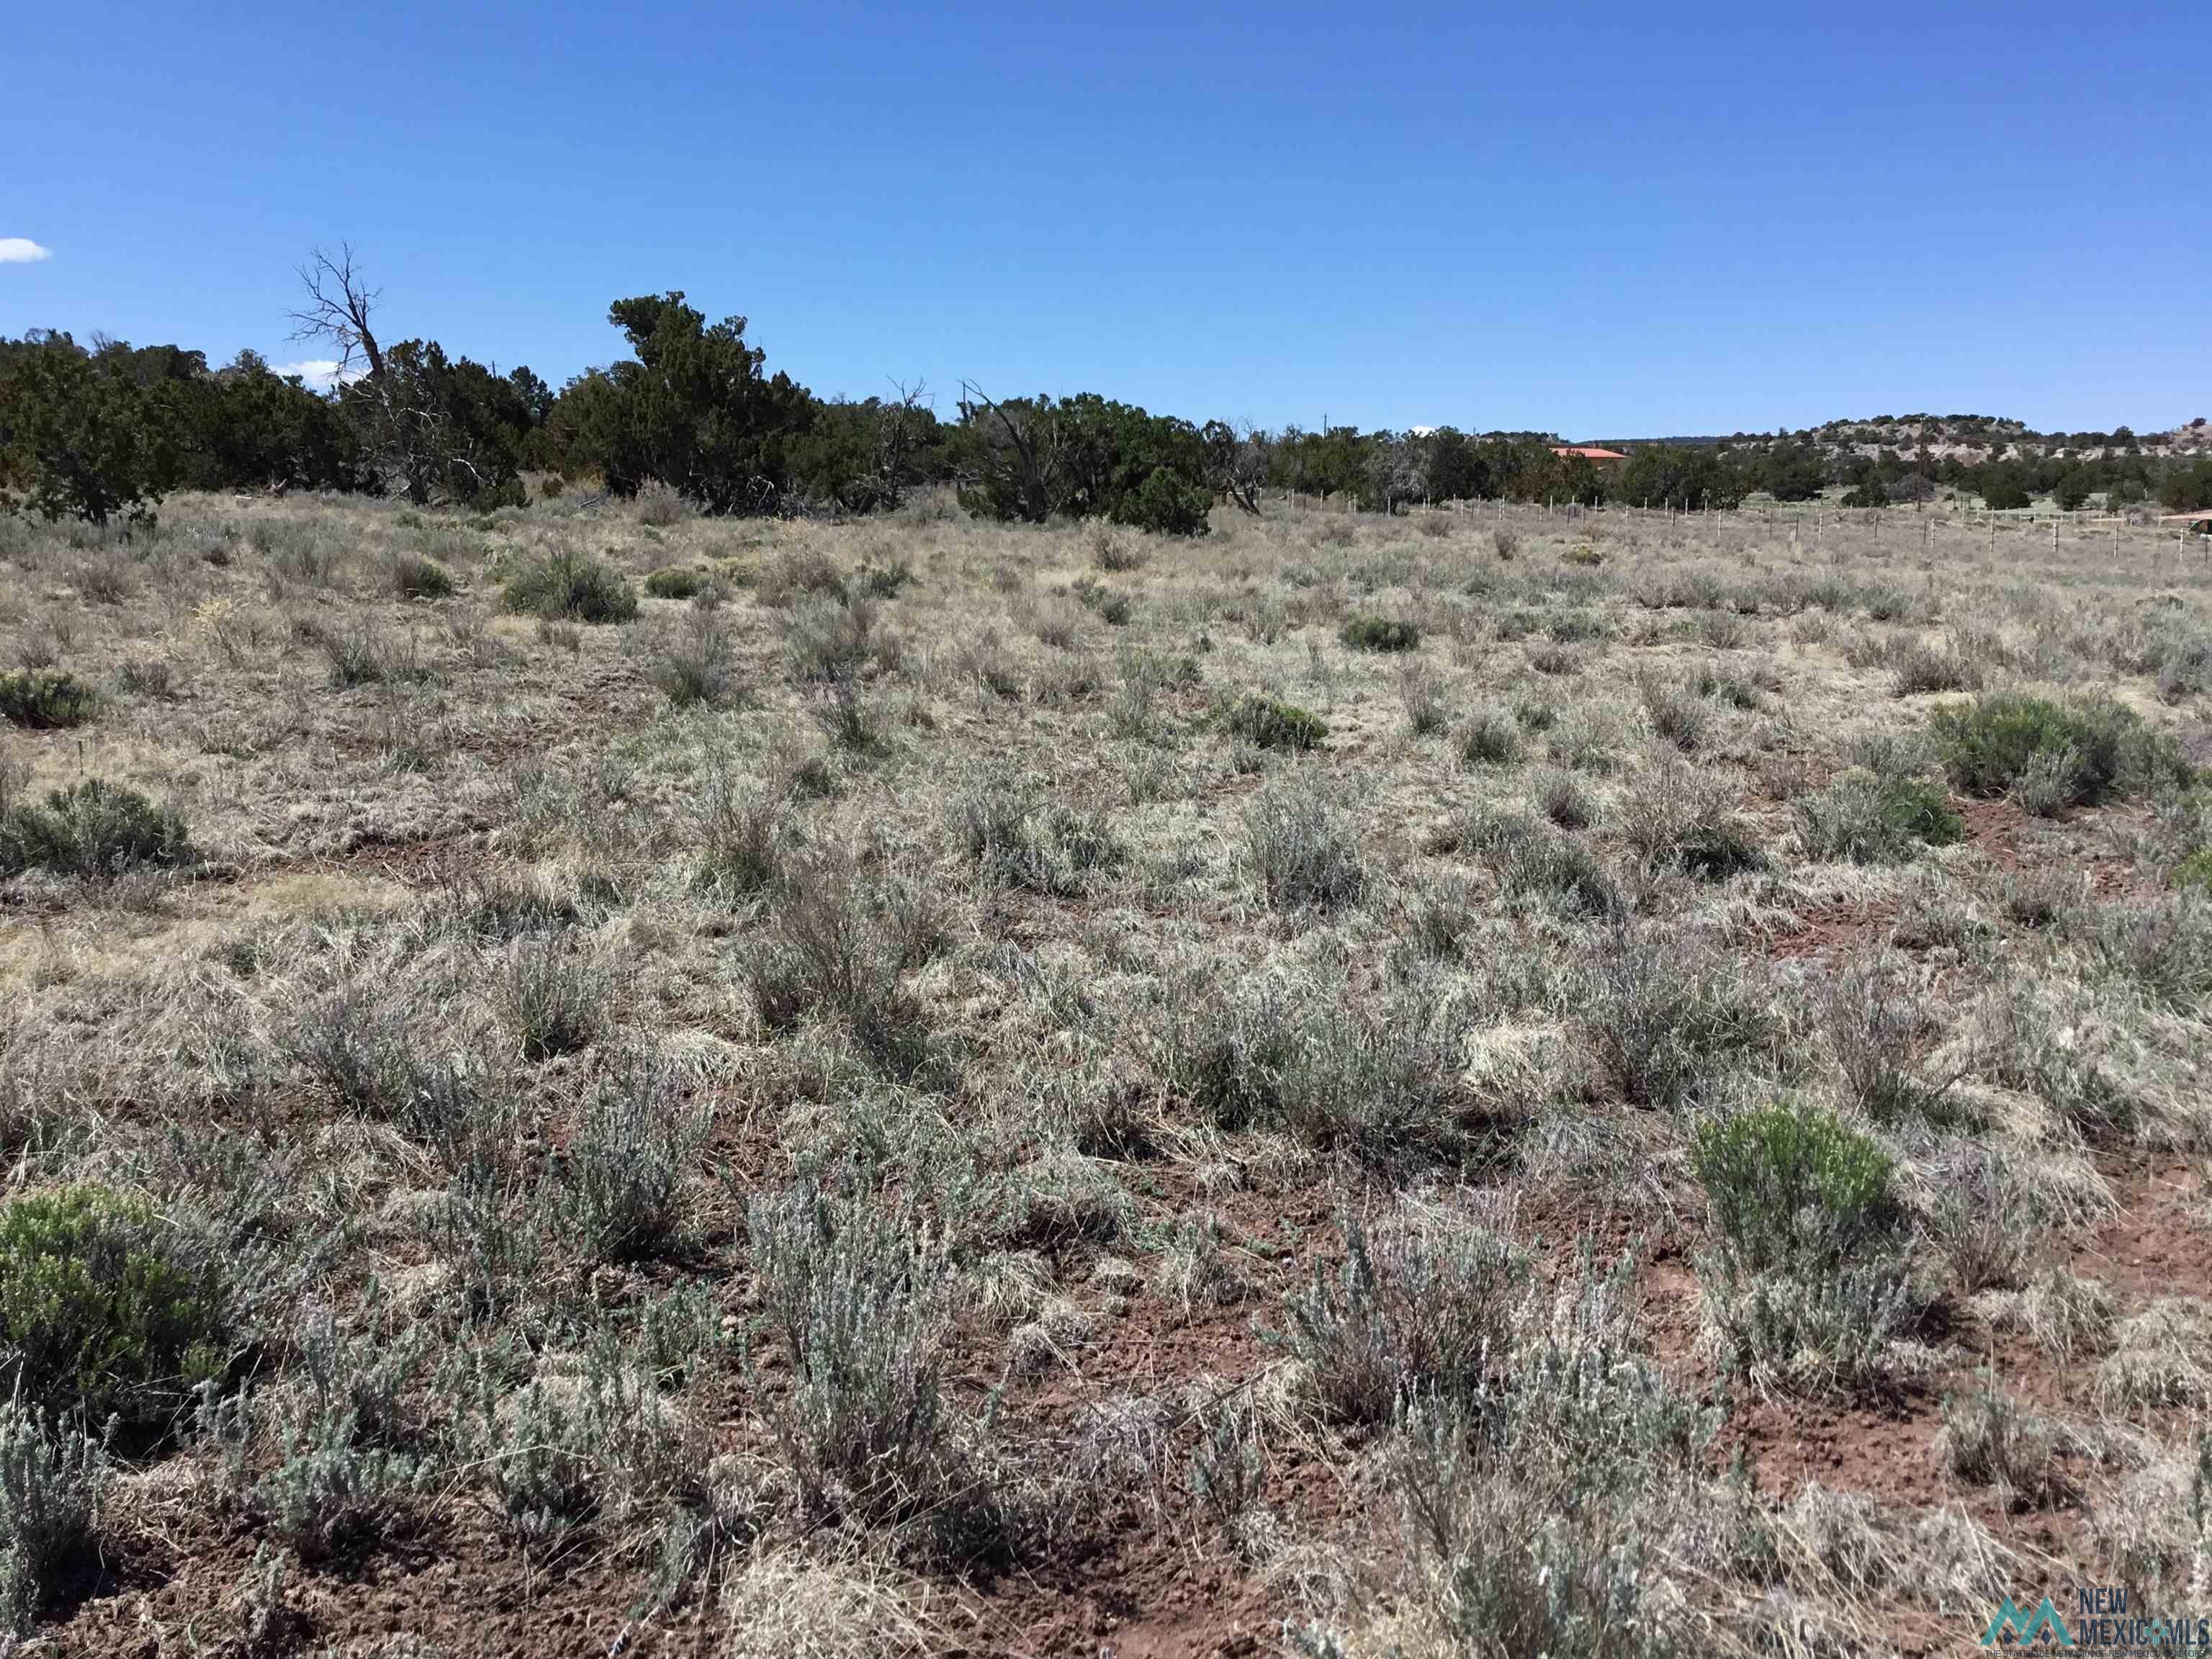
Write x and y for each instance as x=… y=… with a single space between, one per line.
x=339 y=308
x=898 y=428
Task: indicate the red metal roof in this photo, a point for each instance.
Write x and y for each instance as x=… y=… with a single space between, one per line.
x=1589 y=451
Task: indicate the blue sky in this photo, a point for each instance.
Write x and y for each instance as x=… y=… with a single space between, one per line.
x=1606 y=221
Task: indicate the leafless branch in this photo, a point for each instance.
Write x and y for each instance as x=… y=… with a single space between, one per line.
x=340 y=305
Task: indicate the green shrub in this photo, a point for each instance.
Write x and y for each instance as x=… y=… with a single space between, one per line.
x=1869 y=818
x=2082 y=751
x=677 y=581
x=1166 y=504
x=2195 y=871
x=1364 y=633
x=417 y=576
x=94 y=830
x=573 y=585
x=1792 y=1190
x=1267 y=724
x=97 y=1315
x=1807 y=1282
x=44 y=699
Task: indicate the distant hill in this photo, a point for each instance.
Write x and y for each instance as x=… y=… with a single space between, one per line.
x=1968 y=437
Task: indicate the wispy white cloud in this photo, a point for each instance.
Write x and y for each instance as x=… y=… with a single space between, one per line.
x=23 y=251
x=320 y=373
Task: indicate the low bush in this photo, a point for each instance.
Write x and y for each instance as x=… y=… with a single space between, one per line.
x=1869 y=818
x=1531 y=862
x=572 y=586
x=1793 y=1190
x=1806 y=1281
x=1305 y=847
x=94 y=830
x=1012 y=835
x=1878 y=1025
x=659 y=505
x=1676 y=713
x=695 y=664
x=796 y=571
x=677 y=581
x=1676 y=817
x=627 y=1162
x=863 y=1313
x=830 y=641
x=1666 y=1016
x=44 y=699
x=1423 y=697
x=1366 y=633
x=1377 y=1077
x=745 y=837
x=52 y=1479
x=839 y=950
x=417 y=576
x=97 y=1315
x=1422 y=1305
x=1491 y=738
x=1115 y=551
x=1267 y=723
x=2077 y=753
x=555 y=995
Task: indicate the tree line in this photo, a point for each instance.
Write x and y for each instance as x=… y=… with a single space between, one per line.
x=102 y=431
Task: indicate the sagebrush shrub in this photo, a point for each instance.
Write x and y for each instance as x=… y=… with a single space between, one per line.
x=796 y=571
x=1305 y=847
x=1490 y=738
x=1674 y=816
x=1534 y=862
x=417 y=576
x=1267 y=724
x=44 y=699
x=2077 y=753
x=572 y=586
x=677 y=581
x=636 y=1141
x=97 y=1315
x=695 y=664
x=555 y=995
x=1012 y=835
x=1877 y=1024
x=1666 y=1016
x=51 y=1480
x=95 y=829
x=1377 y=1077
x=863 y=1313
x=1366 y=633
x=1869 y=818
x=1423 y=1303
x=840 y=950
